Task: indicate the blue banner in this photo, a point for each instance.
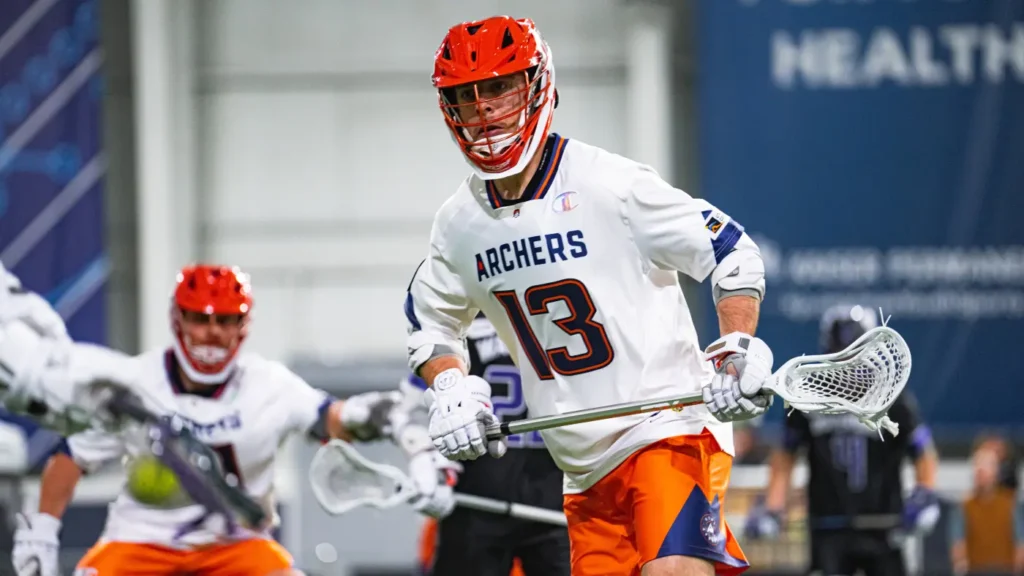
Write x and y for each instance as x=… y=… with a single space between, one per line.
x=51 y=157
x=875 y=150
x=51 y=168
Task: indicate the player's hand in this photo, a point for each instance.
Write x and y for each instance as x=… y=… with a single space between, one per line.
x=29 y=308
x=762 y=523
x=434 y=475
x=460 y=410
x=742 y=365
x=36 y=545
x=921 y=511
x=371 y=416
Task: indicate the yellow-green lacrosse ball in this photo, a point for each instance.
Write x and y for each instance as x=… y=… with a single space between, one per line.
x=152 y=483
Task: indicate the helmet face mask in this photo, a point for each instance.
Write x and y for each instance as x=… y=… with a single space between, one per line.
x=210 y=321
x=490 y=116
x=495 y=82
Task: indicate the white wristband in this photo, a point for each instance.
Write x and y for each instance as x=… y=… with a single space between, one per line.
x=446 y=379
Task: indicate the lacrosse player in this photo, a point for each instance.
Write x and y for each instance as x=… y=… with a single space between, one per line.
x=243 y=407
x=854 y=491
x=490 y=543
x=572 y=253
x=43 y=373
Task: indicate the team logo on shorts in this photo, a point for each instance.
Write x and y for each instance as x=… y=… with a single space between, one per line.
x=565 y=202
x=711 y=529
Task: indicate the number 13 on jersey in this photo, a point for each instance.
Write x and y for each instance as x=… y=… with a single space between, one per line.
x=580 y=322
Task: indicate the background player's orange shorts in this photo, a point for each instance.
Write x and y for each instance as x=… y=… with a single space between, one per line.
x=256 y=557
x=664 y=500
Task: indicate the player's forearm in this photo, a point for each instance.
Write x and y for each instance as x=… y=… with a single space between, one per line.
x=335 y=424
x=958 y=557
x=779 y=478
x=57 y=485
x=926 y=468
x=738 y=314
x=435 y=366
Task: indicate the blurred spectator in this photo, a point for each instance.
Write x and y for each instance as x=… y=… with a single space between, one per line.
x=987 y=530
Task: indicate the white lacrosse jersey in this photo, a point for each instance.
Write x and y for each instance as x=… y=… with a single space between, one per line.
x=579 y=280
x=245 y=421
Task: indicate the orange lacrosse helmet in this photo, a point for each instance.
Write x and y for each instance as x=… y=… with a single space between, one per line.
x=476 y=51
x=213 y=290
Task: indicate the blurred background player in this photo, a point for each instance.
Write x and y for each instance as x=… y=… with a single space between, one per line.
x=490 y=543
x=49 y=381
x=854 y=490
x=241 y=405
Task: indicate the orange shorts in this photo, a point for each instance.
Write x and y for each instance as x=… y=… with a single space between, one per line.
x=664 y=500
x=256 y=557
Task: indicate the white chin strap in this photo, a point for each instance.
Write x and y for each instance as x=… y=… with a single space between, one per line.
x=519 y=166
x=204 y=354
x=486 y=147
x=482 y=147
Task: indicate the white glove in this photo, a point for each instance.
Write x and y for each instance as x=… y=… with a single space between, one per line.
x=16 y=303
x=433 y=476
x=372 y=415
x=36 y=545
x=742 y=365
x=460 y=410
x=29 y=330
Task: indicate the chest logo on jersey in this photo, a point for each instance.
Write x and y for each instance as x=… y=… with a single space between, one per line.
x=529 y=252
x=232 y=421
x=565 y=201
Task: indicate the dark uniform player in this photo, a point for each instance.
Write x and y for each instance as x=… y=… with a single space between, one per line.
x=854 y=489
x=487 y=544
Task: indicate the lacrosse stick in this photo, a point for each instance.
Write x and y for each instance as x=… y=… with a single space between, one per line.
x=342 y=480
x=864 y=380
x=859 y=522
x=193 y=462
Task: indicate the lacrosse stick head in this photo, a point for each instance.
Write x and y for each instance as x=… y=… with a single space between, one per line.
x=342 y=480
x=864 y=379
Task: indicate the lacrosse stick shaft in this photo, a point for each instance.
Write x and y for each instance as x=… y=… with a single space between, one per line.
x=894 y=383
x=859 y=522
x=495 y=431
x=207 y=489
x=520 y=511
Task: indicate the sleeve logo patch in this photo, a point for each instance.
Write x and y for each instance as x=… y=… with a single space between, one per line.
x=714 y=221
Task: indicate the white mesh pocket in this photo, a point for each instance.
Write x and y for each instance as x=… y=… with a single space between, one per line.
x=864 y=381
x=342 y=479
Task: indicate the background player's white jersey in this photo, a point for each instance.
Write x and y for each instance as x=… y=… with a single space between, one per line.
x=245 y=422
x=580 y=283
